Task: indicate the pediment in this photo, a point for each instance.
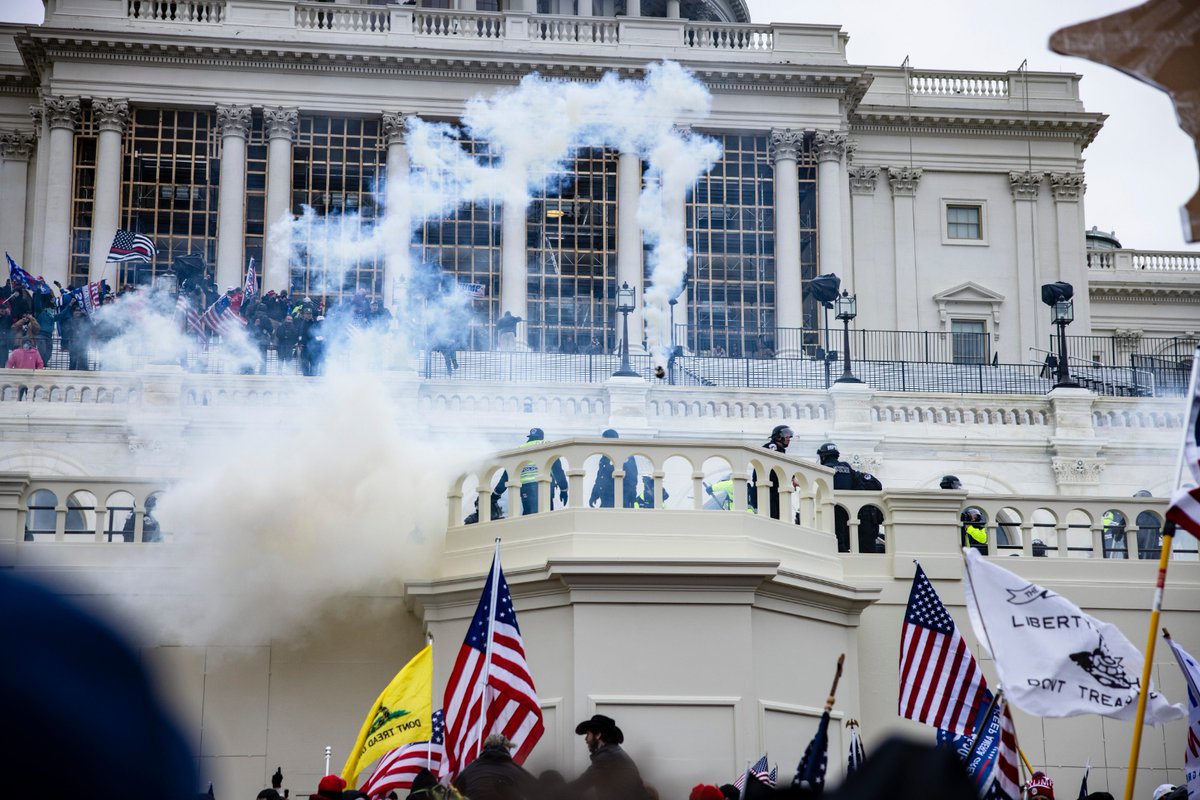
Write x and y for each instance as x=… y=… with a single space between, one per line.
x=969 y=292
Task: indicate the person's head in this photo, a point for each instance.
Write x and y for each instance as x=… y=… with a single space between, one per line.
x=950 y=482
x=331 y=786
x=269 y=794
x=828 y=452
x=1142 y=493
x=781 y=435
x=498 y=741
x=1040 y=785
x=730 y=792
x=706 y=791
x=610 y=434
x=1163 y=791
x=599 y=730
x=288 y=318
x=374 y=306
x=26 y=345
x=536 y=435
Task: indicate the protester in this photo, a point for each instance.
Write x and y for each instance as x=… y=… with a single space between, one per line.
x=330 y=788
x=1041 y=786
x=493 y=775
x=287 y=336
x=26 y=357
x=612 y=775
x=45 y=341
x=77 y=337
x=25 y=329
x=506 y=331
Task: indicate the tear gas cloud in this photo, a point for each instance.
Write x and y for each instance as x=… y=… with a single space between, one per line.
x=277 y=512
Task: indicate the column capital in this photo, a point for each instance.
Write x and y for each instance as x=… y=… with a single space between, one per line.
x=36 y=114
x=234 y=121
x=1128 y=338
x=863 y=179
x=16 y=145
x=395 y=127
x=1024 y=185
x=786 y=143
x=110 y=114
x=62 y=112
x=281 y=122
x=1067 y=187
x=904 y=180
x=829 y=145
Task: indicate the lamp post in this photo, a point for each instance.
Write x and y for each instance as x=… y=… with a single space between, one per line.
x=847 y=309
x=1063 y=314
x=625 y=304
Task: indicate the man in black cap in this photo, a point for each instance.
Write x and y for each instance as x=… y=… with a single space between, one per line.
x=612 y=774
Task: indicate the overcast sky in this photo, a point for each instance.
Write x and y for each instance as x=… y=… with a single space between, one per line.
x=1141 y=168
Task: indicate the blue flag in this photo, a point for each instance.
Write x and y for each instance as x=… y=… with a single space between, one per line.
x=811 y=772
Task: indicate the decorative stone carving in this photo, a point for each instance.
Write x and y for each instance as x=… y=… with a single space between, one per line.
x=863 y=179
x=395 y=127
x=1024 y=185
x=110 y=114
x=234 y=121
x=903 y=180
x=62 y=112
x=786 y=143
x=281 y=122
x=866 y=463
x=1127 y=338
x=1078 y=470
x=681 y=130
x=829 y=145
x=16 y=146
x=1067 y=187
x=35 y=113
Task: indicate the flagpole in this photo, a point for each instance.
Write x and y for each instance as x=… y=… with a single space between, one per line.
x=1168 y=539
x=487 y=656
x=429 y=749
x=982 y=720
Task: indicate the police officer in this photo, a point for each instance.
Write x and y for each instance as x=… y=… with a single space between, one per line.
x=1114 y=535
x=529 y=477
x=974 y=531
x=870 y=518
x=781 y=437
x=604 y=490
x=844 y=478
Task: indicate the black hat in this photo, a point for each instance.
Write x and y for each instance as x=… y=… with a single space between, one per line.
x=950 y=482
x=537 y=433
x=605 y=726
x=610 y=434
x=828 y=449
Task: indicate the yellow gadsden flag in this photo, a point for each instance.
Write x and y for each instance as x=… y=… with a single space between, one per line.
x=402 y=714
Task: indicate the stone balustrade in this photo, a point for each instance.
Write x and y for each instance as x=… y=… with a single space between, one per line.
x=75 y=510
x=959 y=84
x=1143 y=261
x=351 y=19
x=184 y=12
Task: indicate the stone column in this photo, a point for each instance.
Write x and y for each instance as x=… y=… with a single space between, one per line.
x=629 y=239
x=1068 y=189
x=1032 y=327
x=585 y=8
x=830 y=147
x=234 y=123
x=903 y=181
x=111 y=117
x=672 y=9
x=871 y=293
x=789 y=310
x=633 y=8
x=281 y=130
x=62 y=115
x=395 y=263
x=15 y=149
x=514 y=264
x=36 y=222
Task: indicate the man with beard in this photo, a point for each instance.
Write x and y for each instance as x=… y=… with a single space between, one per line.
x=612 y=774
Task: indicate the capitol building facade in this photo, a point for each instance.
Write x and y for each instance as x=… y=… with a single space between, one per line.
x=944 y=201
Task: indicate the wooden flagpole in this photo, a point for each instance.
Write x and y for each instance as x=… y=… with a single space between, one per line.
x=836 y=677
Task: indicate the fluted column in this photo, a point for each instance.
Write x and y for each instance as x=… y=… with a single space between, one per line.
x=36 y=224
x=1032 y=328
x=62 y=115
x=830 y=147
x=234 y=124
x=1068 y=188
x=15 y=149
x=789 y=310
x=281 y=131
x=629 y=238
x=903 y=181
x=111 y=118
x=395 y=259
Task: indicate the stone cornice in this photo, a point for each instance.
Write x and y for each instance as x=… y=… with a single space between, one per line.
x=1079 y=127
x=1187 y=294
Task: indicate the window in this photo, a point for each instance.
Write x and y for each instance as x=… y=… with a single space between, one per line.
x=964 y=222
x=970 y=341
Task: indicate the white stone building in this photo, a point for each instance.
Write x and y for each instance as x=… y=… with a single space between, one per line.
x=943 y=199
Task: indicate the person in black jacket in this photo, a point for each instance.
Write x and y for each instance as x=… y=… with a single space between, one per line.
x=604 y=490
x=612 y=774
x=844 y=477
x=493 y=775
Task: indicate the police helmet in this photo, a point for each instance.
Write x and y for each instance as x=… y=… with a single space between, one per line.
x=829 y=449
x=610 y=434
x=1142 y=493
x=780 y=431
x=536 y=433
x=950 y=482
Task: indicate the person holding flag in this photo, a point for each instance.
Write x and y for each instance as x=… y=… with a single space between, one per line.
x=402 y=713
x=810 y=774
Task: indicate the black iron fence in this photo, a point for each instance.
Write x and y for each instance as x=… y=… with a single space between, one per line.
x=1116 y=351
x=872 y=345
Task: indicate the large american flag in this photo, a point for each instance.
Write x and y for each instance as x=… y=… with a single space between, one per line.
x=189 y=315
x=128 y=246
x=940 y=683
x=397 y=769
x=490 y=689
x=1006 y=783
x=221 y=318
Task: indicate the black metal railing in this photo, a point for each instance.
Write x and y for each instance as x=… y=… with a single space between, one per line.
x=804 y=343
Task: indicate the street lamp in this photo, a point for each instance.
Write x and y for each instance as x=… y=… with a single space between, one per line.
x=625 y=304
x=1062 y=313
x=847 y=309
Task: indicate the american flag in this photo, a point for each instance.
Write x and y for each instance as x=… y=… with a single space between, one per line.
x=191 y=318
x=21 y=277
x=1185 y=503
x=758 y=769
x=1007 y=779
x=940 y=683
x=397 y=769
x=1191 y=749
x=128 y=246
x=490 y=689
x=858 y=753
x=221 y=318
x=251 y=287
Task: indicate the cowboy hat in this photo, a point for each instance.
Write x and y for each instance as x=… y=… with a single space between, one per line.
x=605 y=726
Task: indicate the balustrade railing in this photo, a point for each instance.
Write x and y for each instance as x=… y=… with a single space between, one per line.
x=349 y=19
x=1143 y=260
x=959 y=84
x=459 y=24
x=78 y=510
x=182 y=11
x=706 y=36
x=589 y=30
